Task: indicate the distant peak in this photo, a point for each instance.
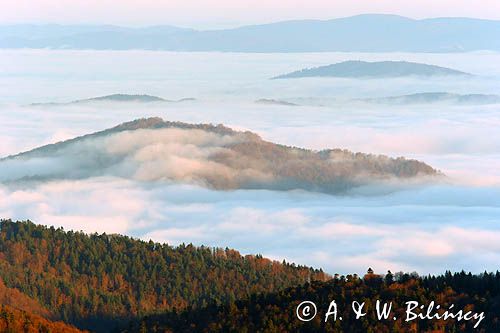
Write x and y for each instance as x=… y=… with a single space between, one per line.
x=267 y=101
x=376 y=69
x=124 y=98
x=119 y=98
x=375 y=16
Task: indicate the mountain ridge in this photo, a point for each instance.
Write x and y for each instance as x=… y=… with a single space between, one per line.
x=361 y=33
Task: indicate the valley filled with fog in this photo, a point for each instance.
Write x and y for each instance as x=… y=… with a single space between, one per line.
x=428 y=226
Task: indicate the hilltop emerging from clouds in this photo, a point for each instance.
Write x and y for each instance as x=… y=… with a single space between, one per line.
x=213 y=156
x=377 y=69
x=118 y=98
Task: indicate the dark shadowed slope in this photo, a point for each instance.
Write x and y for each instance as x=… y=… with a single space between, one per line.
x=381 y=69
x=213 y=156
x=276 y=312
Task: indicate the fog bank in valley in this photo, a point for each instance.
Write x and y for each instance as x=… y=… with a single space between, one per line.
x=428 y=227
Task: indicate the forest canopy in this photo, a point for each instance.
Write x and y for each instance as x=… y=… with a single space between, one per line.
x=100 y=281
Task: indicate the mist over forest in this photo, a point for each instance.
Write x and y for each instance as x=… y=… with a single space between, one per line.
x=149 y=189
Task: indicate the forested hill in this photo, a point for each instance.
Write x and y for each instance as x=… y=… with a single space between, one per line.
x=100 y=281
x=216 y=157
x=115 y=283
x=276 y=312
x=376 y=69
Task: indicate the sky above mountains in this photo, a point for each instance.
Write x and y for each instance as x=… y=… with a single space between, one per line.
x=209 y=14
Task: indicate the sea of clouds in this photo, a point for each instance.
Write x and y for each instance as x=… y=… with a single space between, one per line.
x=451 y=225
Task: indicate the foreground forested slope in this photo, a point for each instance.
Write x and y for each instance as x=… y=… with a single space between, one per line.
x=100 y=281
x=276 y=312
x=113 y=283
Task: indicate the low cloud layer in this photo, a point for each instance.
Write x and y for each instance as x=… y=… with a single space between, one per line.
x=424 y=228
x=143 y=155
x=427 y=229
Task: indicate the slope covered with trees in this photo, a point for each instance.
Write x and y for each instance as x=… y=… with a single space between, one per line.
x=276 y=312
x=116 y=283
x=99 y=281
x=13 y=320
x=212 y=156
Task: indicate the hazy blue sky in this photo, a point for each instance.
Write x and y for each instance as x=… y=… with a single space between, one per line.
x=223 y=13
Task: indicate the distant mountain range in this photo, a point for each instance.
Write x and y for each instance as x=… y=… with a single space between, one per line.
x=213 y=156
x=363 y=33
x=437 y=97
x=379 y=69
x=417 y=98
x=120 y=98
